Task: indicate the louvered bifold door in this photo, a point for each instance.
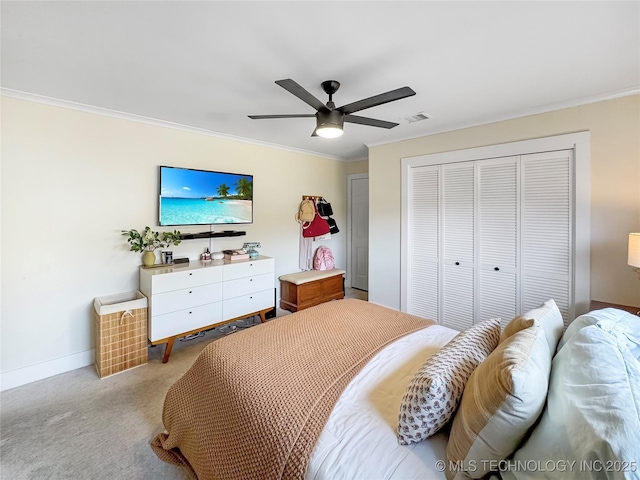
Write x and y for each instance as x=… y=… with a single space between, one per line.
x=547 y=230
x=423 y=258
x=457 y=245
x=497 y=234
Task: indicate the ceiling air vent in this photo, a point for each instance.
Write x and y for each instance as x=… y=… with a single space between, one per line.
x=418 y=117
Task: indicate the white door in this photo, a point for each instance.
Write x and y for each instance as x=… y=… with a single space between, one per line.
x=457 y=245
x=423 y=276
x=496 y=235
x=547 y=231
x=497 y=238
x=358 y=197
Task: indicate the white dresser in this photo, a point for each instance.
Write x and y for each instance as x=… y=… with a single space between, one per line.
x=189 y=299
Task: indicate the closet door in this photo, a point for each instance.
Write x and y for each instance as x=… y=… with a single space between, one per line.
x=497 y=233
x=457 y=245
x=547 y=230
x=423 y=266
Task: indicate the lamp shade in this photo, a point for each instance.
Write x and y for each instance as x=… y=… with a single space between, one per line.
x=634 y=250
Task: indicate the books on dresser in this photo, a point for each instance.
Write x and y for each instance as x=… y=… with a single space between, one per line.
x=235 y=255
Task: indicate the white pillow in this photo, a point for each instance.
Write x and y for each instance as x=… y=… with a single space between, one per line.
x=548 y=315
x=503 y=398
x=623 y=325
x=592 y=416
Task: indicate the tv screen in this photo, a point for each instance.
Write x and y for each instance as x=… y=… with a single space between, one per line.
x=201 y=197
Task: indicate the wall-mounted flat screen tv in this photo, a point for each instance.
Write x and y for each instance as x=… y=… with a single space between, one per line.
x=202 y=197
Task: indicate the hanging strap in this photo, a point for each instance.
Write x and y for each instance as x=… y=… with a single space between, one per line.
x=124 y=314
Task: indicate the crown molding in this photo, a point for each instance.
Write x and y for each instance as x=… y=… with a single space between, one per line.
x=81 y=107
x=527 y=113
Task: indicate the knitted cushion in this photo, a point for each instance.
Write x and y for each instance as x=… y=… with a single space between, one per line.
x=434 y=393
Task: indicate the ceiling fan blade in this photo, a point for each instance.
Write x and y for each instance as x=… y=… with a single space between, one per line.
x=377 y=100
x=301 y=93
x=372 y=122
x=293 y=115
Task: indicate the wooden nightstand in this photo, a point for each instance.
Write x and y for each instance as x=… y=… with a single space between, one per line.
x=596 y=305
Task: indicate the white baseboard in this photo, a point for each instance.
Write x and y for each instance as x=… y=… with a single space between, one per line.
x=32 y=373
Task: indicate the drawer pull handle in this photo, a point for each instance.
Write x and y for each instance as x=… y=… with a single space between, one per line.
x=190 y=313
x=251 y=279
x=457 y=263
x=250 y=298
x=496 y=269
x=190 y=274
x=190 y=291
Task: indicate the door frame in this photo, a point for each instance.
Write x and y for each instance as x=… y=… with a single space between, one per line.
x=353 y=176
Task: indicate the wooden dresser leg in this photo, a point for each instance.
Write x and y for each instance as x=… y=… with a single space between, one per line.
x=263 y=315
x=167 y=350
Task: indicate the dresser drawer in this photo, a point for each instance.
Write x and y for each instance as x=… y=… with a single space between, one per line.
x=185 y=298
x=248 y=268
x=244 y=286
x=245 y=304
x=186 y=278
x=176 y=323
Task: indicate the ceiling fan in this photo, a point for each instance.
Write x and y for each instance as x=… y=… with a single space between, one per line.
x=329 y=119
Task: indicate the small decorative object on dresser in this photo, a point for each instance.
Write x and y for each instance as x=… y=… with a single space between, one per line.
x=147 y=241
x=148 y=258
x=235 y=255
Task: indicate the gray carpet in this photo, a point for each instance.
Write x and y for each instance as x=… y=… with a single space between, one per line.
x=78 y=426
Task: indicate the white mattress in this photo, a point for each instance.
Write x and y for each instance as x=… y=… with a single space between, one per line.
x=359 y=440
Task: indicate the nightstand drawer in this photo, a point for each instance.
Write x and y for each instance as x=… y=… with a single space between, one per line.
x=176 y=323
x=247 y=285
x=185 y=298
x=187 y=278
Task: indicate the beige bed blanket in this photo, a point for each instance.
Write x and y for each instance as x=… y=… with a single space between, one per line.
x=254 y=403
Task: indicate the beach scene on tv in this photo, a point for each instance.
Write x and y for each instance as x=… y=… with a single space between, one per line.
x=198 y=197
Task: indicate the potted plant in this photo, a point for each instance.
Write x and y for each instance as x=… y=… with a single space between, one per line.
x=148 y=240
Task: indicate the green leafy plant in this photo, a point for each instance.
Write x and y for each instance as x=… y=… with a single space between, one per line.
x=148 y=240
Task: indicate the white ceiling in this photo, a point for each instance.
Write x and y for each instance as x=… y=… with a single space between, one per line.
x=208 y=65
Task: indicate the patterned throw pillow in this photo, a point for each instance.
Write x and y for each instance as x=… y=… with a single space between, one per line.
x=433 y=395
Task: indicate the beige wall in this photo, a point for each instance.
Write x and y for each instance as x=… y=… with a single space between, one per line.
x=361 y=166
x=615 y=190
x=71 y=181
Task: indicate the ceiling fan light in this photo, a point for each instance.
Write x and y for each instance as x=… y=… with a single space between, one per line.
x=329 y=124
x=329 y=131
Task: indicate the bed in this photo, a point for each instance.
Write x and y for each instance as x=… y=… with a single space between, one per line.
x=319 y=394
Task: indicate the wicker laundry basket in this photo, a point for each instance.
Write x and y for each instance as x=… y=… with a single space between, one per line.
x=120 y=332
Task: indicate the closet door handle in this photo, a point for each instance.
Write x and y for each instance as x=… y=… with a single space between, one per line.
x=496 y=269
x=457 y=263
